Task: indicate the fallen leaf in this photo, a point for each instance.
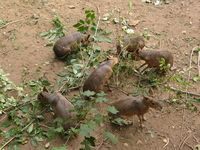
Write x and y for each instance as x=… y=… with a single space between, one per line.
x=134 y=22
x=71 y=7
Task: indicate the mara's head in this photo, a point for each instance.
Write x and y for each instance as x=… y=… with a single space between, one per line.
x=141 y=42
x=115 y=60
x=151 y=103
x=42 y=96
x=86 y=40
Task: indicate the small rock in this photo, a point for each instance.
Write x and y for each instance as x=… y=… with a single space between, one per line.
x=130 y=13
x=124 y=27
x=47 y=145
x=165 y=140
x=71 y=7
x=139 y=142
x=197 y=147
x=115 y=20
x=126 y=144
x=183 y=32
x=35 y=16
x=106 y=17
x=134 y=22
x=130 y=31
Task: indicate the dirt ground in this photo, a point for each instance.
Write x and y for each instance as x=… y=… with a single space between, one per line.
x=22 y=50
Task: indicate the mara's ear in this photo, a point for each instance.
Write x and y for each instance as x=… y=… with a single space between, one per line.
x=45 y=89
x=137 y=51
x=40 y=96
x=110 y=57
x=87 y=37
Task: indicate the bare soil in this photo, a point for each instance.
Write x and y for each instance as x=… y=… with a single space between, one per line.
x=22 y=50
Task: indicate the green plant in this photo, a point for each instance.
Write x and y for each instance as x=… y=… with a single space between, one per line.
x=56 y=33
x=2 y=23
x=82 y=60
x=146 y=36
x=163 y=66
x=88 y=24
x=91 y=118
x=6 y=87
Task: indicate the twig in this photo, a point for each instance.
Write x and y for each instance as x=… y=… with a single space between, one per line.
x=196 y=139
x=190 y=93
x=100 y=145
x=119 y=89
x=3 y=118
x=189 y=146
x=43 y=125
x=70 y=135
x=69 y=89
x=189 y=73
x=166 y=143
x=98 y=21
x=19 y=105
x=16 y=135
x=10 y=23
x=184 y=141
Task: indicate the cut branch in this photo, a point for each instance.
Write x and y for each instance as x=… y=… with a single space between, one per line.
x=119 y=89
x=185 y=92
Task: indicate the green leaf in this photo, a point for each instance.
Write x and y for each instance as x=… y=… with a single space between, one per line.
x=196 y=78
x=85 y=130
x=89 y=93
x=13 y=147
x=2 y=23
x=40 y=117
x=99 y=118
x=34 y=142
x=197 y=100
x=82 y=21
x=59 y=148
x=59 y=129
x=112 y=109
x=49 y=44
x=130 y=5
x=21 y=140
x=120 y=121
x=88 y=142
x=77 y=25
x=100 y=100
x=101 y=94
x=111 y=137
x=62 y=74
x=44 y=34
x=100 y=38
x=6 y=124
x=30 y=128
x=11 y=132
x=47 y=145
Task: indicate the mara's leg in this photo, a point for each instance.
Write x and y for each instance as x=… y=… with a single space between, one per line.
x=143 y=118
x=140 y=120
